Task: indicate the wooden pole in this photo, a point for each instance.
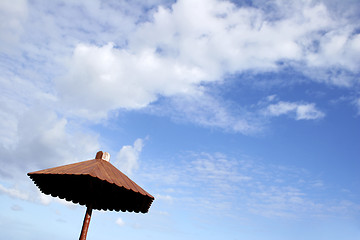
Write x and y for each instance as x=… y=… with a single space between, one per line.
x=86 y=223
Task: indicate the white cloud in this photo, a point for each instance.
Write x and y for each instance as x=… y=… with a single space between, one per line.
x=41 y=137
x=128 y=157
x=308 y=112
x=14 y=192
x=302 y=111
x=102 y=79
x=120 y=222
x=45 y=199
x=166 y=198
x=34 y=136
x=223 y=38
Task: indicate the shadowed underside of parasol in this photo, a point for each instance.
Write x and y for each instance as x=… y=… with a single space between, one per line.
x=94 y=182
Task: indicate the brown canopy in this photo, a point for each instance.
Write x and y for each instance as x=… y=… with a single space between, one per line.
x=94 y=182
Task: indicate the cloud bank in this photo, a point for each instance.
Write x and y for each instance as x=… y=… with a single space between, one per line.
x=176 y=55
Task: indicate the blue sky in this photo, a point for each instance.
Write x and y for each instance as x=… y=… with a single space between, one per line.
x=242 y=118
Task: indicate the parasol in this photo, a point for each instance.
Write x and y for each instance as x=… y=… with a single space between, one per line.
x=95 y=183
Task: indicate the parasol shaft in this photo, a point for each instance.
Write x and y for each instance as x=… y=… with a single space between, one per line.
x=86 y=223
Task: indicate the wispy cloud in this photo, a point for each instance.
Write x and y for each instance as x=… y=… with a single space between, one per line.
x=14 y=192
x=166 y=198
x=301 y=111
x=208 y=111
x=16 y=208
x=13 y=15
x=357 y=105
x=218 y=182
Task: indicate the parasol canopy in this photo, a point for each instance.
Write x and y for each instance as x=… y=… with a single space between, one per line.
x=96 y=183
